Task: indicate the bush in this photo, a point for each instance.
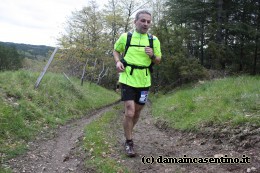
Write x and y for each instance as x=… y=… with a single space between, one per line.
x=181 y=70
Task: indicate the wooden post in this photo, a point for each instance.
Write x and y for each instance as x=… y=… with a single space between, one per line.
x=45 y=69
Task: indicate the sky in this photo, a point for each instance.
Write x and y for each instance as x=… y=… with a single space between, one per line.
x=37 y=22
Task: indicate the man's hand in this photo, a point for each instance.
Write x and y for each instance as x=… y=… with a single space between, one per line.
x=149 y=51
x=119 y=66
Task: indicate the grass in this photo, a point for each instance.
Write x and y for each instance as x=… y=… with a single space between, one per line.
x=233 y=101
x=26 y=112
x=99 y=141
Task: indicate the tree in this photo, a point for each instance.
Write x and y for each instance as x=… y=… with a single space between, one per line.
x=114 y=21
x=228 y=27
x=9 y=58
x=85 y=40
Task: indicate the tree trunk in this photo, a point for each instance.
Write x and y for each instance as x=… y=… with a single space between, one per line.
x=241 y=55
x=219 y=22
x=255 y=57
x=202 y=44
x=256 y=42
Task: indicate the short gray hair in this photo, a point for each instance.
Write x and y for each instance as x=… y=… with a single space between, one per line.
x=141 y=12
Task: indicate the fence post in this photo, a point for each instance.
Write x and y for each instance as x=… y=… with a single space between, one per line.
x=45 y=69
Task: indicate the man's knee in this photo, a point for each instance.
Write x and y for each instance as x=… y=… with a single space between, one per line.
x=129 y=114
x=129 y=109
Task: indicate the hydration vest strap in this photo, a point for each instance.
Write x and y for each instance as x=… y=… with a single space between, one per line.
x=135 y=67
x=128 y=41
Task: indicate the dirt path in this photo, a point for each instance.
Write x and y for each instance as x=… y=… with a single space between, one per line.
x=152 y=139
x=59 y=153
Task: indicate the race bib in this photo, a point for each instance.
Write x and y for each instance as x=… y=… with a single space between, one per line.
x=143 y=97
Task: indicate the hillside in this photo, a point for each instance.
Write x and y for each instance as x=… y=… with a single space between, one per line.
x=232 y=101
x=25 y=112
x=31 y=51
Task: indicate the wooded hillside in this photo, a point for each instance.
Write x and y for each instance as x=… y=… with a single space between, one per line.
x=30 y=51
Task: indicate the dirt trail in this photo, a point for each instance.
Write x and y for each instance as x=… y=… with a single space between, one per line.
x=57 y=154
x=63 y=154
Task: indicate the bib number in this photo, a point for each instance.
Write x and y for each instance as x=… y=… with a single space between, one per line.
x=143 y=97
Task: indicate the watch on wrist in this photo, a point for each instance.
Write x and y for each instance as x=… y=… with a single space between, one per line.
x=153 y=57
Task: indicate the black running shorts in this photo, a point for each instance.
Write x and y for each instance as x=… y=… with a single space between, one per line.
x=139 y=95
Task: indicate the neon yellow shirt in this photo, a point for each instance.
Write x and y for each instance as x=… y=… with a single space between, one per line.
x=137 y=56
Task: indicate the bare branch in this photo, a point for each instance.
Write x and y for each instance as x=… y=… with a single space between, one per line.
x=83 y=73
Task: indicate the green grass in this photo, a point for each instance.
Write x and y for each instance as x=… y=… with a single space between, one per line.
x=231 y=101
x=99 y=141
x=25 y=111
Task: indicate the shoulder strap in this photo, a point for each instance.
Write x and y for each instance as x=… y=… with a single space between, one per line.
x=150 y=37
x=128 y=40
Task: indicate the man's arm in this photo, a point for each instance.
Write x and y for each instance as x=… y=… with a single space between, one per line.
x=119 y=65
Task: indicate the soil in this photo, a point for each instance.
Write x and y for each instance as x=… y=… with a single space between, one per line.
x=154 y=141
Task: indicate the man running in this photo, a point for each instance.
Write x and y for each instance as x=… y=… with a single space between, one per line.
x=135 y=71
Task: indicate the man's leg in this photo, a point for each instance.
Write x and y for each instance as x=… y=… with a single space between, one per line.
x=128 y=121
x=138 y=109
x=132 y=114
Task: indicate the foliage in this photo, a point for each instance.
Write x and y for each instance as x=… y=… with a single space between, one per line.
x=219 y=56
x=223 y=34
x=84 y=43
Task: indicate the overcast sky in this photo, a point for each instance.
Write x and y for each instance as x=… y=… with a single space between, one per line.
x=37 y=22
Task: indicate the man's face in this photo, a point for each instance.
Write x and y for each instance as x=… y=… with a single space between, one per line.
x=143 y=23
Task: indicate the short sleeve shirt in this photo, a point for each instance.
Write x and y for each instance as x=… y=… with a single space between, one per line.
x=136 y=56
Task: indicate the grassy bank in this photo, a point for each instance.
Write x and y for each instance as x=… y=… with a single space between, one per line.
x=230 y=102
x=25 y=111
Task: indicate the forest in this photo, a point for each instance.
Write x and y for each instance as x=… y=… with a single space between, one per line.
x=199 y=39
